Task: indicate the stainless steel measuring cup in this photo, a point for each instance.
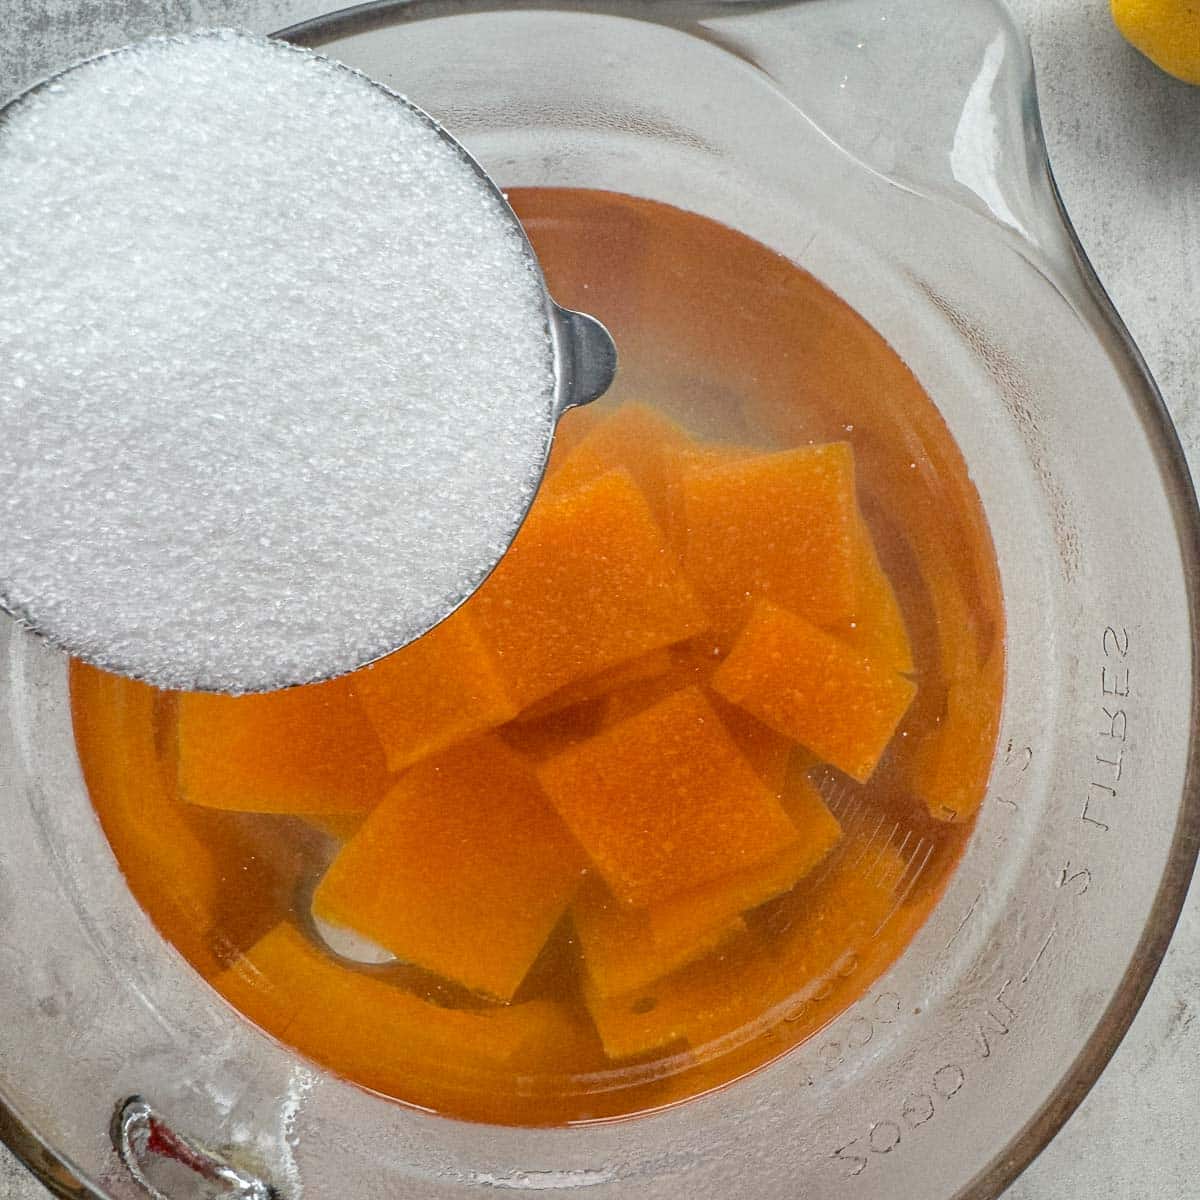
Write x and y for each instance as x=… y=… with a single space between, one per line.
x=192 y=523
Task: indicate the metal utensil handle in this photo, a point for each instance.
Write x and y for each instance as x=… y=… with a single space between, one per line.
x=139 y=1134
x=587 y=357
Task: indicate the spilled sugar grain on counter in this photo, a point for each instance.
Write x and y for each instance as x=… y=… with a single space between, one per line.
x=277 y=380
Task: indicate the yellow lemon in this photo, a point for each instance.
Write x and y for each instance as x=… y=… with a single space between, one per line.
x=1166 y=31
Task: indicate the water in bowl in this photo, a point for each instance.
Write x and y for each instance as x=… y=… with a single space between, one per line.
x=681 y=781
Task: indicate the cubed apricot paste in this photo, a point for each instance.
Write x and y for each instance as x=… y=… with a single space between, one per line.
x=185 y=864
x=877 y=628
x=639 y=439
x=693 y=458
x=692 y=665
x=781 y=527
x=286 y=984
x=666 y=801
x=439 y=690
x=108 y=704
x=304 y=750
x=818 y=833
x=816 y=689
x=620 y=950
x=742 y=985
x=589 y=583
x=624 y=948
x=966 y=631
x=951 y=768
x=463 y=869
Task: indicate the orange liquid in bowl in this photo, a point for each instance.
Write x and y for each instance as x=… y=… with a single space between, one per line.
x=673 y=788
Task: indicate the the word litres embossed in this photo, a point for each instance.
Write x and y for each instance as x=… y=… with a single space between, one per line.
x=1108 y=766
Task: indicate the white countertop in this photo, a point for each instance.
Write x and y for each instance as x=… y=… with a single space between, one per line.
x=1125 y=143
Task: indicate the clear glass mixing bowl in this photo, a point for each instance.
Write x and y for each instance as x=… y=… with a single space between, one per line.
x=894 y=151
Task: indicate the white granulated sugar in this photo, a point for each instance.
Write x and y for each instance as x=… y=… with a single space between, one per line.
x=276 y=380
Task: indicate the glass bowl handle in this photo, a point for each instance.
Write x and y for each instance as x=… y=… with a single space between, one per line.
x=141 y=1136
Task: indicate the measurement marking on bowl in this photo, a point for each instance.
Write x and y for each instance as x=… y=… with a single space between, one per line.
x=881 y=866
x=1081 y=879
x=902 y=898
x=1037 y=958
x=866 y=849
x=1108 y=766
x=991 y=1023
x=1016 y=761
x=965 y=920
x=885 y=1010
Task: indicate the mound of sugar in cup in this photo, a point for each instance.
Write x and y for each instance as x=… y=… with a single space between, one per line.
x=276 y=375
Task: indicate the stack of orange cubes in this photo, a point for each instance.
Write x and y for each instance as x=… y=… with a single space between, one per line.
x=611 y=742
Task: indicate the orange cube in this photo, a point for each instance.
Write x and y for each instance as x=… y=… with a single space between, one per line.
x=441 y=689
x=719 y=990
x=589 y=583
x=835 y=923
x=877 y=629
x=968 y=635
x=188 y=867
x=665 y=801
x=113 y=712
x=561 y=1041
x=818 y=833
x=636 y=437
x=767 y=752
x=692 y=459
x=781 y=527
x=813 y=688
x=304 y=750
x=751 y=981
x=359 y=1024
x=692 y=665
x=625 y=948
x=428 y=878
x=840 y=914
x=951 y=769
x=700 y=456
x=619 y=946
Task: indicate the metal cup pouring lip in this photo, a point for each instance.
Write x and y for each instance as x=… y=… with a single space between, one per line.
x=585 y=358
x=584 y=365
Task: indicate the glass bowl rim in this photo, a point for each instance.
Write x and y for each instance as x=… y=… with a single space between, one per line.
x=62 y=1178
